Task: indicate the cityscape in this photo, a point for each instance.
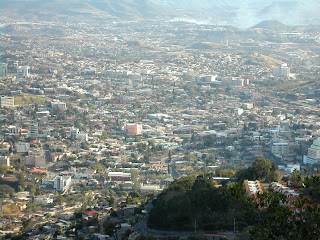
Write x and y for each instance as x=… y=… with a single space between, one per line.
x=153 y=129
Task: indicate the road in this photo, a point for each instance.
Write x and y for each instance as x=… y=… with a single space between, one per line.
x=174 y=172
x=141 y=227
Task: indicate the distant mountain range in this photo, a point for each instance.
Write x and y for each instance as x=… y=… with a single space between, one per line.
x=241 y=13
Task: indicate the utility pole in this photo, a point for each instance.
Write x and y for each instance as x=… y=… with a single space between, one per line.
x=195 y=226
x=234 y=224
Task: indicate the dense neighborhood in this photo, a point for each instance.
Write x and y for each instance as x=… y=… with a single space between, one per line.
x=97 y=121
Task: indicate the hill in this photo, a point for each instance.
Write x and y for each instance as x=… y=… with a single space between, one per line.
x=273 y=25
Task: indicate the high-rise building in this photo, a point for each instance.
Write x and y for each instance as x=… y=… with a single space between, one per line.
x=6 y=101
x=4 y=160
x=74 y=132
x=280 y=149
x=313 y=156
x=3 y=70
x=282 y=70
x=60 y=183
x=33 y=130
x=23 y=72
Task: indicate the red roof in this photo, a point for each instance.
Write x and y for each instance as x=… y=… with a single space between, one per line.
x=90 y=213
x=35 y=170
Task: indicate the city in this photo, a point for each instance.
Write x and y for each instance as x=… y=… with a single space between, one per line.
x=98 y=122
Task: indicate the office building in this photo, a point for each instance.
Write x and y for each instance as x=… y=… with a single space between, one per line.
x=33 y=130
x=280 y=149
x=23 y=72
x=3 y=70
x=282 y=70
x=61 y=183
x=4 y=160
x=6 y=101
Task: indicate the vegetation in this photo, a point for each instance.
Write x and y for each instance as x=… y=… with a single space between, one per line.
x=261 y=169
x=196 y=200
x=24 y=99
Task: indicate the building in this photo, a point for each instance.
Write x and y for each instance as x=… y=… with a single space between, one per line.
x=252 y=187
x=313 y=156
x=14 y=130
x=23 y=72
x=61 y=183
x=33 y=130
x=35 y=159
x=58 y=105
x=282 y=71
x=4 y=160
x=234 y=82
x=6 y=101
x=74 y=132
x=3 y=70
x=22 y=147
x=119 y=176
x=280 y=149
x=82 y=137
x=133 y=128
x=205 y=79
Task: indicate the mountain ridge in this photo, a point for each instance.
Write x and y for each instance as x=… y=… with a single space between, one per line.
x=245 y=13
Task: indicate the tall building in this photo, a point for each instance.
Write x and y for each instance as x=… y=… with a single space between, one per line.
x=280 y=149
x=36 y=159
x=23 y=72
x=61 y=183
x=6 y=101
x=3 y=70
x=4 y=160
x=33 y=130
x=282 y=70
x=313 y=156
x=134 y=128
x=74 y=132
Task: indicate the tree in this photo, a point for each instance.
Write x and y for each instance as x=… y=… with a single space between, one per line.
x=4 y=169
x=108 y=227
x=261 y=169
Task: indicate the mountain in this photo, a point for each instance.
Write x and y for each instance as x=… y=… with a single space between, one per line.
x=241 y=13
x=82 y=10
x=273 y=25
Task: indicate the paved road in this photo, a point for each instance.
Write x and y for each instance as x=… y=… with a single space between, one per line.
x=174 y=172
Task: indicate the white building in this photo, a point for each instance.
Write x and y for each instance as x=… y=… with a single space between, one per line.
x=234 y=82
x=13 y=130
x=22 y=147
x=313 y=156
x=60 y=183
x=82 y=137
x=282 y=71
x=205 y=79
x=4 y=160
x=23 y=72
x=6 y=101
